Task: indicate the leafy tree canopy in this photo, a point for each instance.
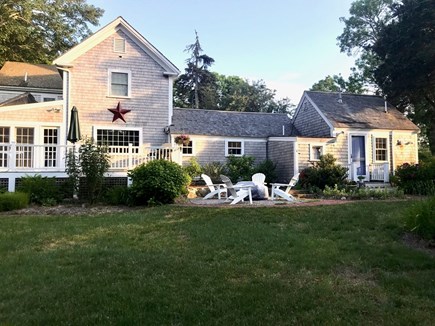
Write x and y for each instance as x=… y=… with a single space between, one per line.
x=406 y=51
x=37 y=31
x=200 y=88
x=337 y=83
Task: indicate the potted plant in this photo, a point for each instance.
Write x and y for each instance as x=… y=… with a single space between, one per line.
x=361 y=181
x=182 y=140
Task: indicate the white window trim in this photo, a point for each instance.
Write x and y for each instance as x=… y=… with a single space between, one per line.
x=95 y=128
x=385 y=136
x=193 y=149
x=109 y=82
x=312 y=145
x=242 y=142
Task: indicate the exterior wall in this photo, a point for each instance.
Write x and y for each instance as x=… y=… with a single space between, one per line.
x=150 y=90
x=35 y=116
x=282 y=154
x=309 y=122
x=6 y=95
x=303 y=152
x=212 y=149
x=407 y=150
x=339 y=148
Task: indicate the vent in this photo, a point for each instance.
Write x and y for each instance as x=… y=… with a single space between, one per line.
x=119 y=45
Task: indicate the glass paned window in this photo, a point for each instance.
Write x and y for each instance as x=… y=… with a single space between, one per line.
x=234 y=148
x=50 y=152
x=118 y=140
x=316 y=152
x=4 y=139
x=381 y=149
x=119 y=84
x=188 y=149
x=25 y=141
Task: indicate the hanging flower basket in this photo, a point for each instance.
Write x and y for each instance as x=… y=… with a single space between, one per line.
x=182 y=140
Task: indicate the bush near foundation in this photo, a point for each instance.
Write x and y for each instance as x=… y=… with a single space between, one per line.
x=416 y=179
x=10 y=201
x=158 y=182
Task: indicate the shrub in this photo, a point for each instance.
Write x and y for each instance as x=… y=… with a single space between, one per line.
x=323 y=173
x=13 y=200
x=118 y=195
x=158 y=181
x=92 y=163
x=267 y=167
x=214 y=170
x=41 y=190
x=361 y=193
x=193 y=169
x=416 y=179
x=240 y=167
x=420 y=218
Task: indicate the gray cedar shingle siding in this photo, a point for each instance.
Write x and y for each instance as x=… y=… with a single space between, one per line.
x=309 y=122
x=359 y=111
x=230 y=124
x=281 y=153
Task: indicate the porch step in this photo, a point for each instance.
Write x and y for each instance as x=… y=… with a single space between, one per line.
x=377 y=185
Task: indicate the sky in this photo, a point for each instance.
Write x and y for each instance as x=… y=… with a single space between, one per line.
x=290 y=44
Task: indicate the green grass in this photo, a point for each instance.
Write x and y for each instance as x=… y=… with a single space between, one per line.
x=176 y=265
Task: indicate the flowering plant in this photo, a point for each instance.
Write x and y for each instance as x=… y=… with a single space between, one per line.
x=182 y=140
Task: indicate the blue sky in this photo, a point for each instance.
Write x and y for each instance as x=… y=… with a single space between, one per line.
x=290 y=44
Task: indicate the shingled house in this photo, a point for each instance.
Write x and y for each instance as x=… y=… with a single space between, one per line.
x=122 y=87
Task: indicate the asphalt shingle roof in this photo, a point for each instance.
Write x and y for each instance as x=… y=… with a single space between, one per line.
x=359 y=111
x=24 y=98
x=38 y=75
x=230 y=123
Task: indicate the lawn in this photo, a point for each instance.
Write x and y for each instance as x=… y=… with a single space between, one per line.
x=177 y=265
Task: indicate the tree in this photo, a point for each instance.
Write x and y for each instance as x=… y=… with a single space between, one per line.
x=337 y=83
x=362 y=30
x=196 y=87
x=406 y=73
x=37 y=31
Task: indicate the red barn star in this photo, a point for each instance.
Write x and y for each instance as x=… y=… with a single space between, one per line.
x=118 y=113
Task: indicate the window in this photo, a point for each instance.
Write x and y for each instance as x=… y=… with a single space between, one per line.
x=25 y=141
x=381 y=149
x=4 y=139
x=119 y=45
x=315 y=152
x=119 y=83
x=50 y=152
x=234 y=148
x=48 y=99
x=188 y=149
x=120 y=139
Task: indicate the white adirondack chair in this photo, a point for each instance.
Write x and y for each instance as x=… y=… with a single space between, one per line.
x=215 y=189
x=259 y=180
x=237 y=193
x=285 y=194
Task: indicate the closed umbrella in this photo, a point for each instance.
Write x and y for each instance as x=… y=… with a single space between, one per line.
x=74 y=127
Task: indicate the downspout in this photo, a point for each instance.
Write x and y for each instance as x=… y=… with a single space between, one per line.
x=66 y=96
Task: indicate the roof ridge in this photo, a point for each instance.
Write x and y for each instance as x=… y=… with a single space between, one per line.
x=231 y=112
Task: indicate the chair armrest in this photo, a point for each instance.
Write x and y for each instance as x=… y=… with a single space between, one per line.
x=279 y=184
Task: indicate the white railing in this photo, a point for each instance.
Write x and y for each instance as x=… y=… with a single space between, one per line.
x=37 y=158
x=373 y=172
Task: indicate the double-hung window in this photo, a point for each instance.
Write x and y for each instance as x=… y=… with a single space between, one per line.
x=235 y=148
x=188 y=149
x=381 y=150
x=315 y=152
x=119 y=83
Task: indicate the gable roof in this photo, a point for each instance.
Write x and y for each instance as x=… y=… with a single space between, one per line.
x=21 y=74
x=230 y=123
x=24 y=98
x=118 y=24
x=358 y=111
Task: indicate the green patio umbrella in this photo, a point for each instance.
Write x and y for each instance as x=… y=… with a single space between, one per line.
x=74 y=127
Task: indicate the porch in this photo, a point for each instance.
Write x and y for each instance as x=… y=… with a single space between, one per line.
x=18 y=160
x=379 y=172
